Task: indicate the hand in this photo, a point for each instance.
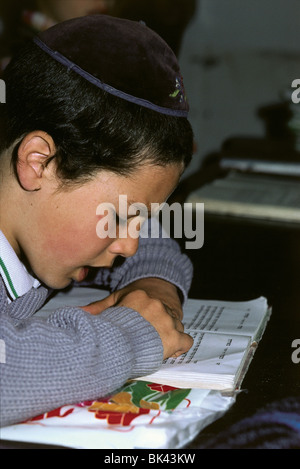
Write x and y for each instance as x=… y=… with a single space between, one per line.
x=169 y=327
x=162 y=317
x=160 y=289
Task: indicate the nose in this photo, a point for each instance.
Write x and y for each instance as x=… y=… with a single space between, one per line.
x=125 y=247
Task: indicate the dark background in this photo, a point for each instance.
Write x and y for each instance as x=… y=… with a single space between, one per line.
x=242 y=260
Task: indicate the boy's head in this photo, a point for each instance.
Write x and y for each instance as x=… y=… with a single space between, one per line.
x=108 y=91
x=95 y=109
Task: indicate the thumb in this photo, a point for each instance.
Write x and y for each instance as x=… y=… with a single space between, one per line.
x=98 y=306
x=185 y=345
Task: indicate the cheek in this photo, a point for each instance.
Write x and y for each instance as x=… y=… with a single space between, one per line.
x=75 y=243
x=64 y=244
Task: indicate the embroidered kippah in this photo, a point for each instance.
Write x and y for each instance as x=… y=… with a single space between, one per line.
x=123 y=57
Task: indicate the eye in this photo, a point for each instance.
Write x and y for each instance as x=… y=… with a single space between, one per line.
x=121 y=221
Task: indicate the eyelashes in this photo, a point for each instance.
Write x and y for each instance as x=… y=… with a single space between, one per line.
x=124 y=221
x=121 y=221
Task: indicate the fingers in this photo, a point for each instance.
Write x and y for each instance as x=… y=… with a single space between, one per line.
x=186 y=343
x=176 y=342
x=159 y=289
x=98 y=306
x=164 y=319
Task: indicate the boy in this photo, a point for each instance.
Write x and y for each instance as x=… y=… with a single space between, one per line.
x=95 y=108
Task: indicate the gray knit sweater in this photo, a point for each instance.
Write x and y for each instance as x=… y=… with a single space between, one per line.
x=73 y=356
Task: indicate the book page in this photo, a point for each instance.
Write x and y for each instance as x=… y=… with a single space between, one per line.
x=76 y=296
x=223 y=333
x=251 y=189
x=241 y=318
x=251 y=197
x=282 y=168
x=261 y=189
x=212 y=353
x=213 y=362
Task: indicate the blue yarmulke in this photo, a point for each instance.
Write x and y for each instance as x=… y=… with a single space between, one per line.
x=125 y=58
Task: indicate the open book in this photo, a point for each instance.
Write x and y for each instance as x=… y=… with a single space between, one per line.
x=251 y=196
x=225 y=337
x=251 y=165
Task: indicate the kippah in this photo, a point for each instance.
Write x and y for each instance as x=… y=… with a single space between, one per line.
x=122 y=57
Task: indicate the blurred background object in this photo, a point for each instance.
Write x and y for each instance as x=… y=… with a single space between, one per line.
x=169 y=18
x=21 y=19
x=238 y=60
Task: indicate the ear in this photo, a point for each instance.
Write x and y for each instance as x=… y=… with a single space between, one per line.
x=33 y=153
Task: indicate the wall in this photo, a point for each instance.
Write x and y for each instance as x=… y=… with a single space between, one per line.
x=237 y=56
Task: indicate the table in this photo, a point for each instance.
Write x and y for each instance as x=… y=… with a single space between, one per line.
x=240 y=260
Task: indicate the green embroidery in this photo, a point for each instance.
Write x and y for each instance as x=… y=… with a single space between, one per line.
x=175 y=94
x=167 y=397
x=179 y=91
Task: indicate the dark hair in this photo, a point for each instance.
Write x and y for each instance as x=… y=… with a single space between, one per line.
x=91 y=129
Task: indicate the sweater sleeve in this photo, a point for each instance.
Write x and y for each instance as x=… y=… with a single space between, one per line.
x=158 y=256
x=73 y=356
x=70 y=357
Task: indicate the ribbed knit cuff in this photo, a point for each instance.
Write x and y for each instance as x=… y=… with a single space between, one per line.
x=156 y=258
x=144 y=340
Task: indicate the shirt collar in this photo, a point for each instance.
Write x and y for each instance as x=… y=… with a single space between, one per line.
x=17 y=279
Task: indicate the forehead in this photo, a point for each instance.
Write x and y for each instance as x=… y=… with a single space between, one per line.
x=147 y=184
x=156 y=181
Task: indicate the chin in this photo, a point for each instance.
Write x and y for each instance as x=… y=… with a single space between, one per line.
x=52 y=279
x=57 y=285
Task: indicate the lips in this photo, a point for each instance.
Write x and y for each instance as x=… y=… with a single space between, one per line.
x=83 y=273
